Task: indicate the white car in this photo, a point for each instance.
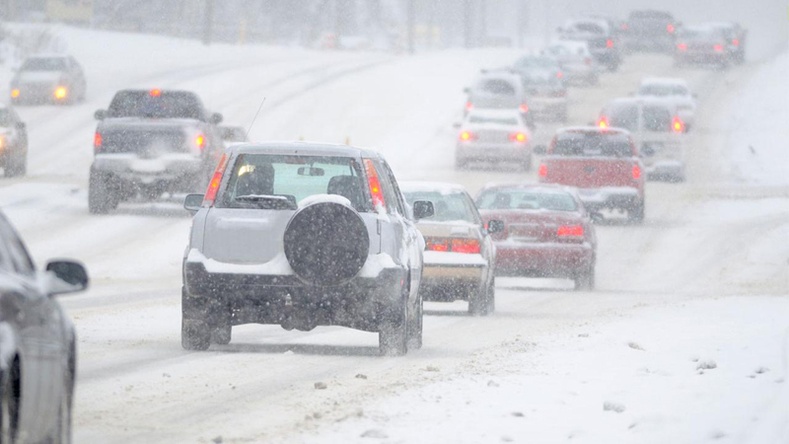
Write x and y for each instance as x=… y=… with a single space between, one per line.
x=494 y=135
x=672 y=89
x=576 y=60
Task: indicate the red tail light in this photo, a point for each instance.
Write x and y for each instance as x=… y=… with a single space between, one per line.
x=677 y=125
x=682 y=47
x=523 y=108
x=735 y=42
x=636 y=172
x=670 y=28
x=434 y=244
x=200 y=141
x=97 y=141
x=543 y=170
x=559 y=74
x=609 y=43
x=216 y=180
x=718 y=48
x=570 y=231
x=469 y=246
x=602 y=122
x=467 y=136
x=156 y=92
x=469 y=106
x=375 y=185
x=518 y=137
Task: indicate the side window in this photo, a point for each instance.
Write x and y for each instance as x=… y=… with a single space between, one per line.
x=394 y=201
x=17 y=253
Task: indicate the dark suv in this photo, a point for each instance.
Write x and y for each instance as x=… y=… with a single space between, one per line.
x=303 y=235
x=13 y=143
x=651 y=30
x=149 y=142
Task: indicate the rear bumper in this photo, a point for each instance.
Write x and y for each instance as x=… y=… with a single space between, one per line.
x=452 y=276
x=624 y=198
x=493 y=152
x=179 y=175
x=701 y=57
x=542 y=259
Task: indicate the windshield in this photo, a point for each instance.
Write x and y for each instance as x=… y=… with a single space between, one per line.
x=292 y=178
x=526 y=199
x=447 y=206
x=482 y=119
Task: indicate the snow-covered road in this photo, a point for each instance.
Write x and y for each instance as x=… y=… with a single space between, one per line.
x=704 y=281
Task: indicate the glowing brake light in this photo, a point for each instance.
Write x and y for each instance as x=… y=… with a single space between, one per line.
x=735 y=42
x=15 y=93
x=682 y=47
x=434 y=244
x=559 y=74
x=467 y=136
x=376 y=192
x=200 y=141
x=216 y=180
x=61 y=92
x=670 y=28
x=570 y=231
x=518 y=137
x=468 y=246
x=677 y=125
x=542 y=171
x=523 y=108
x=718 y=48
x=602 y=122
x=97 y=141
x=636 y=172
x=469 y=106
x=156 y=92
x=609 y=43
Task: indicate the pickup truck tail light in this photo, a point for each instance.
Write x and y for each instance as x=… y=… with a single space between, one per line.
x=636 y=172
x=97 y=142
x=677 y=125
x=200 y=141
x=216 y=180
x=374 y=184
x=542 y=171
x=518 y=137
x=469 y=246
x=467 y=136
x=602 y=122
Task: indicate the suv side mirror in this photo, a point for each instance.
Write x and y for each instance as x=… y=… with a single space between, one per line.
x=193 y=202
x=540 y=150
x=66 y=276
x=495 y=226
x=215 y=118
x=423 y=209
x=100 y=114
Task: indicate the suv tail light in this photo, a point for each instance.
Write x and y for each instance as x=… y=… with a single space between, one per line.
x=518 y=137
x=677 y=125
x=735 y=42
x=216 y=180
x=602 y=122
x=374 y=184
x=97 y=142
x=15 y=93
x=636 y=172
x=467 y=136
x=156 y=92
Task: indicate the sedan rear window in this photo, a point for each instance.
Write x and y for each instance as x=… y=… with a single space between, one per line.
x=447 y=207
x=510 y=121
x=268 y=181
x=525 y=199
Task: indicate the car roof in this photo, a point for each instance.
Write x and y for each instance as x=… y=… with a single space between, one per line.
x=498 y=74
x=495 y=112
x=663 y=81
x=643 y=100
x=424 y=185
x=301 y=148
x=528 y=186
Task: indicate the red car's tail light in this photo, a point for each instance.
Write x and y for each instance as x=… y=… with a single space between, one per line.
x=470 y=246
x=216 y=180
x=636 y=172
x=570 y=231
x=718 y=48
x=677 y=125
x=682 y=47
x=375 y=185
x=518 y=137
x=97 y=141
x=609 y=43
x=542 y=171
x=467 y=136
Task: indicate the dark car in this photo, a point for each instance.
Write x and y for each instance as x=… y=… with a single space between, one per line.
x=736 y=39
x=13 y=143
x=650 y=30
x=48 y=79
x=151 y=142
x=546 y=232
x=704 y=45
x=38 y=358
x=603 y=40
x=303 y=235
x=499 y=89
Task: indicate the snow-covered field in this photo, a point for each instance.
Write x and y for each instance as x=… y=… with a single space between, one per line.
x=686 y=338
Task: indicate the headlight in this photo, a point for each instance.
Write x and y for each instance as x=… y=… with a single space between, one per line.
x=61 y=92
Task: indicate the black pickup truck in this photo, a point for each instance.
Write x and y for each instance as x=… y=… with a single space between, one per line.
x=151 y=142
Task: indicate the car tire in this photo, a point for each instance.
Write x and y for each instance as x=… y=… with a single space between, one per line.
x=62 y=433
x=584 y=281
x=393 y=334
x=415 y=327
x=195 y=332
x=221 y=335
x=101 y=195
x=9 y=407
x=483 y=302
x=16 y=166
x=636 y=213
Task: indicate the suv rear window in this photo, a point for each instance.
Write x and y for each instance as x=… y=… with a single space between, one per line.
x=497 y=86
x=597 y=144
x=657 y=118
x=44 y=64
x=280 y=181
x=164 y=105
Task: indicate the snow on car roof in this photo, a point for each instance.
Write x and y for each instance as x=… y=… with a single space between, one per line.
x=302 y=148
x=663 y=81
x=440 y=187
x=644 y=100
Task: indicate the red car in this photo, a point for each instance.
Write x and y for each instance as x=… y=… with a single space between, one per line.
x=547 y=232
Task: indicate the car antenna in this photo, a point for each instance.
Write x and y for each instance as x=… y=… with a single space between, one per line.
x=246 y=136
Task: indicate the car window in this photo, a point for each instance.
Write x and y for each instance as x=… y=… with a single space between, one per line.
x=44 y=64
x=291 y=178
x=596 y=144
x=497 y=86
x=454 y=206
x=507 y=120
x=656 y=118
x=156 y=104
x=525 y=199
x=663 y=90
x=17 y=253
x=624 y=116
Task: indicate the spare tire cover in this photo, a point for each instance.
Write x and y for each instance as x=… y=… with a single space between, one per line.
x=326 y=243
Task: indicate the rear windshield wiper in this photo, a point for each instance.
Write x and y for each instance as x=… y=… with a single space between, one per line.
x=268 y=201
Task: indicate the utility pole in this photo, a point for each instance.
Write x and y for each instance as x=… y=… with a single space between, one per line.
x=467 y=28
x=209 y=20
x=411 y=13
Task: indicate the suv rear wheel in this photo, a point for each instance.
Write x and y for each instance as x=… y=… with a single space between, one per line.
x=393 y=334
x=195 y=332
